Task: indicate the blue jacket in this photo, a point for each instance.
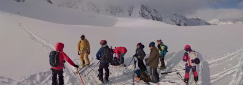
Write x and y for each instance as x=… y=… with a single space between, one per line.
x=100 y=54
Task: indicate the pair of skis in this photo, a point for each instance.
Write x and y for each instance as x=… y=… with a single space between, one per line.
x=181 y=78
x=79 y=72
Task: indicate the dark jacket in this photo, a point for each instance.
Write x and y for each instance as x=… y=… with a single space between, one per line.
x=140 y=53
x=101 y=53
x=153 y=60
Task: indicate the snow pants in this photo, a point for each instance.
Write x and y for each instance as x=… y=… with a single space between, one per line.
x=60 y=77
x=141 y=64
x=101 y=67
x=83 y=55
x=121 y=58
x=194 y=70
x=154 y=75
x=162 y=62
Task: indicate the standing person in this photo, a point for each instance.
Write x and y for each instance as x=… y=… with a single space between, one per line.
x=190 y=57
x=162 y=52
x=103 y=53
x=84 y=50
x=153 y=62
x=140 y=54
x=58 y=70
x=120 y=51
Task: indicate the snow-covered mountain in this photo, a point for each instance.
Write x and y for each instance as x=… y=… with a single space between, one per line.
x=226 y=21
x=30 y=30
x=134 y=10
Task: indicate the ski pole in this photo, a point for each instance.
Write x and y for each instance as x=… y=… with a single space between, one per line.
x=130 y=61
x=80 y=76
x=92 y=69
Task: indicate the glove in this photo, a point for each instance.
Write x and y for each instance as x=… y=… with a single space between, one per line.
x=88 y=52
x=78 y=52
x=184 y=60
x=98 y=58
x=76 y=66
x=146 y=59
x=147 y=64
x=192 y=61
x=135 y=55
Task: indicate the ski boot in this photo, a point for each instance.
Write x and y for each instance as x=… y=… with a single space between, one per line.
x=82 y=65
x=195 y=79
x=162 y=67
x=186 y=81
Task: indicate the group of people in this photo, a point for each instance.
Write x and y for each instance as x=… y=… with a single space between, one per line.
x=105 y=57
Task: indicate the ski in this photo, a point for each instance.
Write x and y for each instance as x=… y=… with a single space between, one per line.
x=175 y=70
x=80 y=76
x=86 y=68
x=180 y=77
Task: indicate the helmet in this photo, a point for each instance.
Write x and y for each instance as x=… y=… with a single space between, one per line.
x=103 y=42
x=187 y=48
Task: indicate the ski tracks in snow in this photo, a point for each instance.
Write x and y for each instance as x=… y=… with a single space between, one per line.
x=235 y=71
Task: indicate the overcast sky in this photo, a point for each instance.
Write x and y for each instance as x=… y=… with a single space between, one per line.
x=205 y=9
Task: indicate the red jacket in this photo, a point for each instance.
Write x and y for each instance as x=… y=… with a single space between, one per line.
x=62 y=56
x=119 y=50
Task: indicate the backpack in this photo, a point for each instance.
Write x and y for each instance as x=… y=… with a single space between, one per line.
x=144 y=76
x=192 y=56
x=54 y=58
x=108 y=55
x=165 y=50
x=115 y=62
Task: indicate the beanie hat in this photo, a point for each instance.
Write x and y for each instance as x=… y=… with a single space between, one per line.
x=152 y=44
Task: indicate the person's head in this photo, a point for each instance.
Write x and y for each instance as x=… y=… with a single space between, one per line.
x=151 y=45
x=82 y=37
x=103 y=42
x=187 y=48
x=139 y=45
x=59 y=46
x=159 y=41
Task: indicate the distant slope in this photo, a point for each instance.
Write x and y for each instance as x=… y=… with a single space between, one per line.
x=134 y=11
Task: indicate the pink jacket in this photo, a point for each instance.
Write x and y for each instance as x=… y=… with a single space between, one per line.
x=62 y=56
x=119 y=50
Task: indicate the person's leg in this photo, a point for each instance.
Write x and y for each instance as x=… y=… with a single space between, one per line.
x=154 y=74
x=87 y=58
x=141 y=65
x=187 y=74
x=121 y=58
x=60 y=75
x=194 y=70
x=82 y=58
x=54 y=77
x=162 y=62
x=100 y=75
x=107 y=72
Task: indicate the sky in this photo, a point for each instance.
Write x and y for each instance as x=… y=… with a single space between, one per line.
x=220 y=9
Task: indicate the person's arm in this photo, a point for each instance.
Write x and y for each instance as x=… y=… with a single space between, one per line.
x=185 y=56
x=79 y=47
x=98 y=54
x=151 y=57
x=66 y=58
x=88 y=46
